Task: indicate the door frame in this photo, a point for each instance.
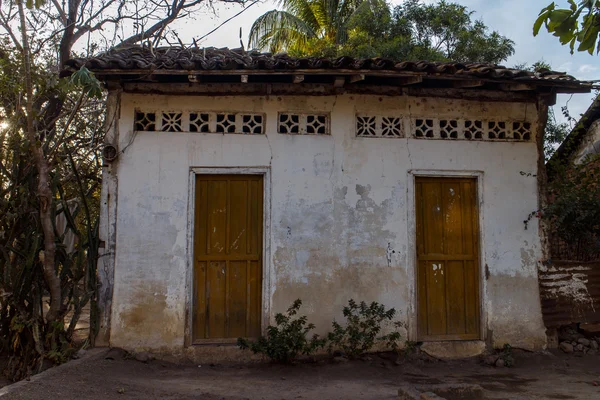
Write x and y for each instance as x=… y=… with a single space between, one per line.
x=411 y=256
x=266 y=252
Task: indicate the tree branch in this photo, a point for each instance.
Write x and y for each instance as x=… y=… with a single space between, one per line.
x=61 y=12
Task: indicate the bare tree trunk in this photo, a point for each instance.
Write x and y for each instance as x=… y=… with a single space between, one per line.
x=43 y=187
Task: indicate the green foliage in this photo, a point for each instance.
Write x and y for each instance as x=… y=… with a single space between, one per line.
x=301 y=21
x=410 y=346
x=361 y=28
x=448 y=32
x=287 y=339
x=573 y=209
x=72 y=147
x=555 y=133
x=362 y=330
x=85 y=79
x=578 y=24
x=34 y=3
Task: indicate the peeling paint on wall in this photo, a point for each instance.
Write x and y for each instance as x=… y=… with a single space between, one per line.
x=339 y=213
x=570 y=292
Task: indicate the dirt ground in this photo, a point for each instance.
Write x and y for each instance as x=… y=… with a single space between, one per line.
x=535 y=376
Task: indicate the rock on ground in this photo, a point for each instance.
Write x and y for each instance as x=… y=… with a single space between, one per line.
x=566 y=347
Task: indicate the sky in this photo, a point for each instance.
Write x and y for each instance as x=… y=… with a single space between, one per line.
x=512 y=18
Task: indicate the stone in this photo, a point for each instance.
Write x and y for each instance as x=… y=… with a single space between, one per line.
x=592 y=352
x=490 y=360
x=594 y=345
x=583 y=341
x=500 y=363
x=408 y=393
x=453 y=349
x=566 y=347
x=339 y=360
x=430 y=396
x=81 y=353
x=143 y=356
x=579 y=347
x=569 y=334
x=461 y=391
x=115 y=354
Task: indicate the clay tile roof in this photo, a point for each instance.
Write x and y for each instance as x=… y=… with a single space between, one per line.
x=167 y=59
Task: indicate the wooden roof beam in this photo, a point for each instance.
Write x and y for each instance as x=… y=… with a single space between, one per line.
x=339 y=81
x=467 y=83
x=357 y=78
x=516 y=87
x=410 y=80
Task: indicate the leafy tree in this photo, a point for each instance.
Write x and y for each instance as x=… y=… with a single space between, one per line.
x=556 y=132
x=301 y=21
x=413 y=30
x=51 y=137
x=578 y=24
x=448 y=31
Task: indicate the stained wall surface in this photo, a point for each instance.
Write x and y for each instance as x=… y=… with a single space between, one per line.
x=341 y=212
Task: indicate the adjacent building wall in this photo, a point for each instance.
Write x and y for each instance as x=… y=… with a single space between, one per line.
x=340 y=214
x=590 y=144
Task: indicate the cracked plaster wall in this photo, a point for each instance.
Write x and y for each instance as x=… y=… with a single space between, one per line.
x=339 y=213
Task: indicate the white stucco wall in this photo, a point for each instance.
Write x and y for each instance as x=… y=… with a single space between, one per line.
x=336 y=203
x=590 y=144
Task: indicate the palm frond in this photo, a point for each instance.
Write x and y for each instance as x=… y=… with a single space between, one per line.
x=277 y=30
x=302 y=9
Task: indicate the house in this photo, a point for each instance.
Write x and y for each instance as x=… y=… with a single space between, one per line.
x=236 y=182
x=583 y=140
x=570 y=283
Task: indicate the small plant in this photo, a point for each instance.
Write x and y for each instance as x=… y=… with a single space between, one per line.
x=363 y=325
x=287 y=339
x=410 y=346
x=506 y=355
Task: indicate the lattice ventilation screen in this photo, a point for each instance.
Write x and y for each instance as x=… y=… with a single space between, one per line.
x=207 y=122
x=441 y=128
x=303 y=124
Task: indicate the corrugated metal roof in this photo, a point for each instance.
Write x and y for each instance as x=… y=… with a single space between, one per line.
x=212 y=59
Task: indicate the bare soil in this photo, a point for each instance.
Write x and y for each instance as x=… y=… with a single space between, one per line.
x=535 y=376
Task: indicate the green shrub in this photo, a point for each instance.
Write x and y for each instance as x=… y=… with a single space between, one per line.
x=363 y=325
x=287 y=339
x=507 y=356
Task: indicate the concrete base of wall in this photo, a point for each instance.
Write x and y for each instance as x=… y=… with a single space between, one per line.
x=454 y=349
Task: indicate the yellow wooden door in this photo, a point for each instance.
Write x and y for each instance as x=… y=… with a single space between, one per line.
x=228 y=230
x=447 y=255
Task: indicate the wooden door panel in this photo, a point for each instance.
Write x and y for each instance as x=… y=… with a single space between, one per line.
x=447 y=242
x=471 y=296
x=215 y=299
x=228 y=256
x=455 y=297
x=238 y=218
x=237 y=301
x=452 y=218
x=217 y=217
x=254 y=295
x=436 y=299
